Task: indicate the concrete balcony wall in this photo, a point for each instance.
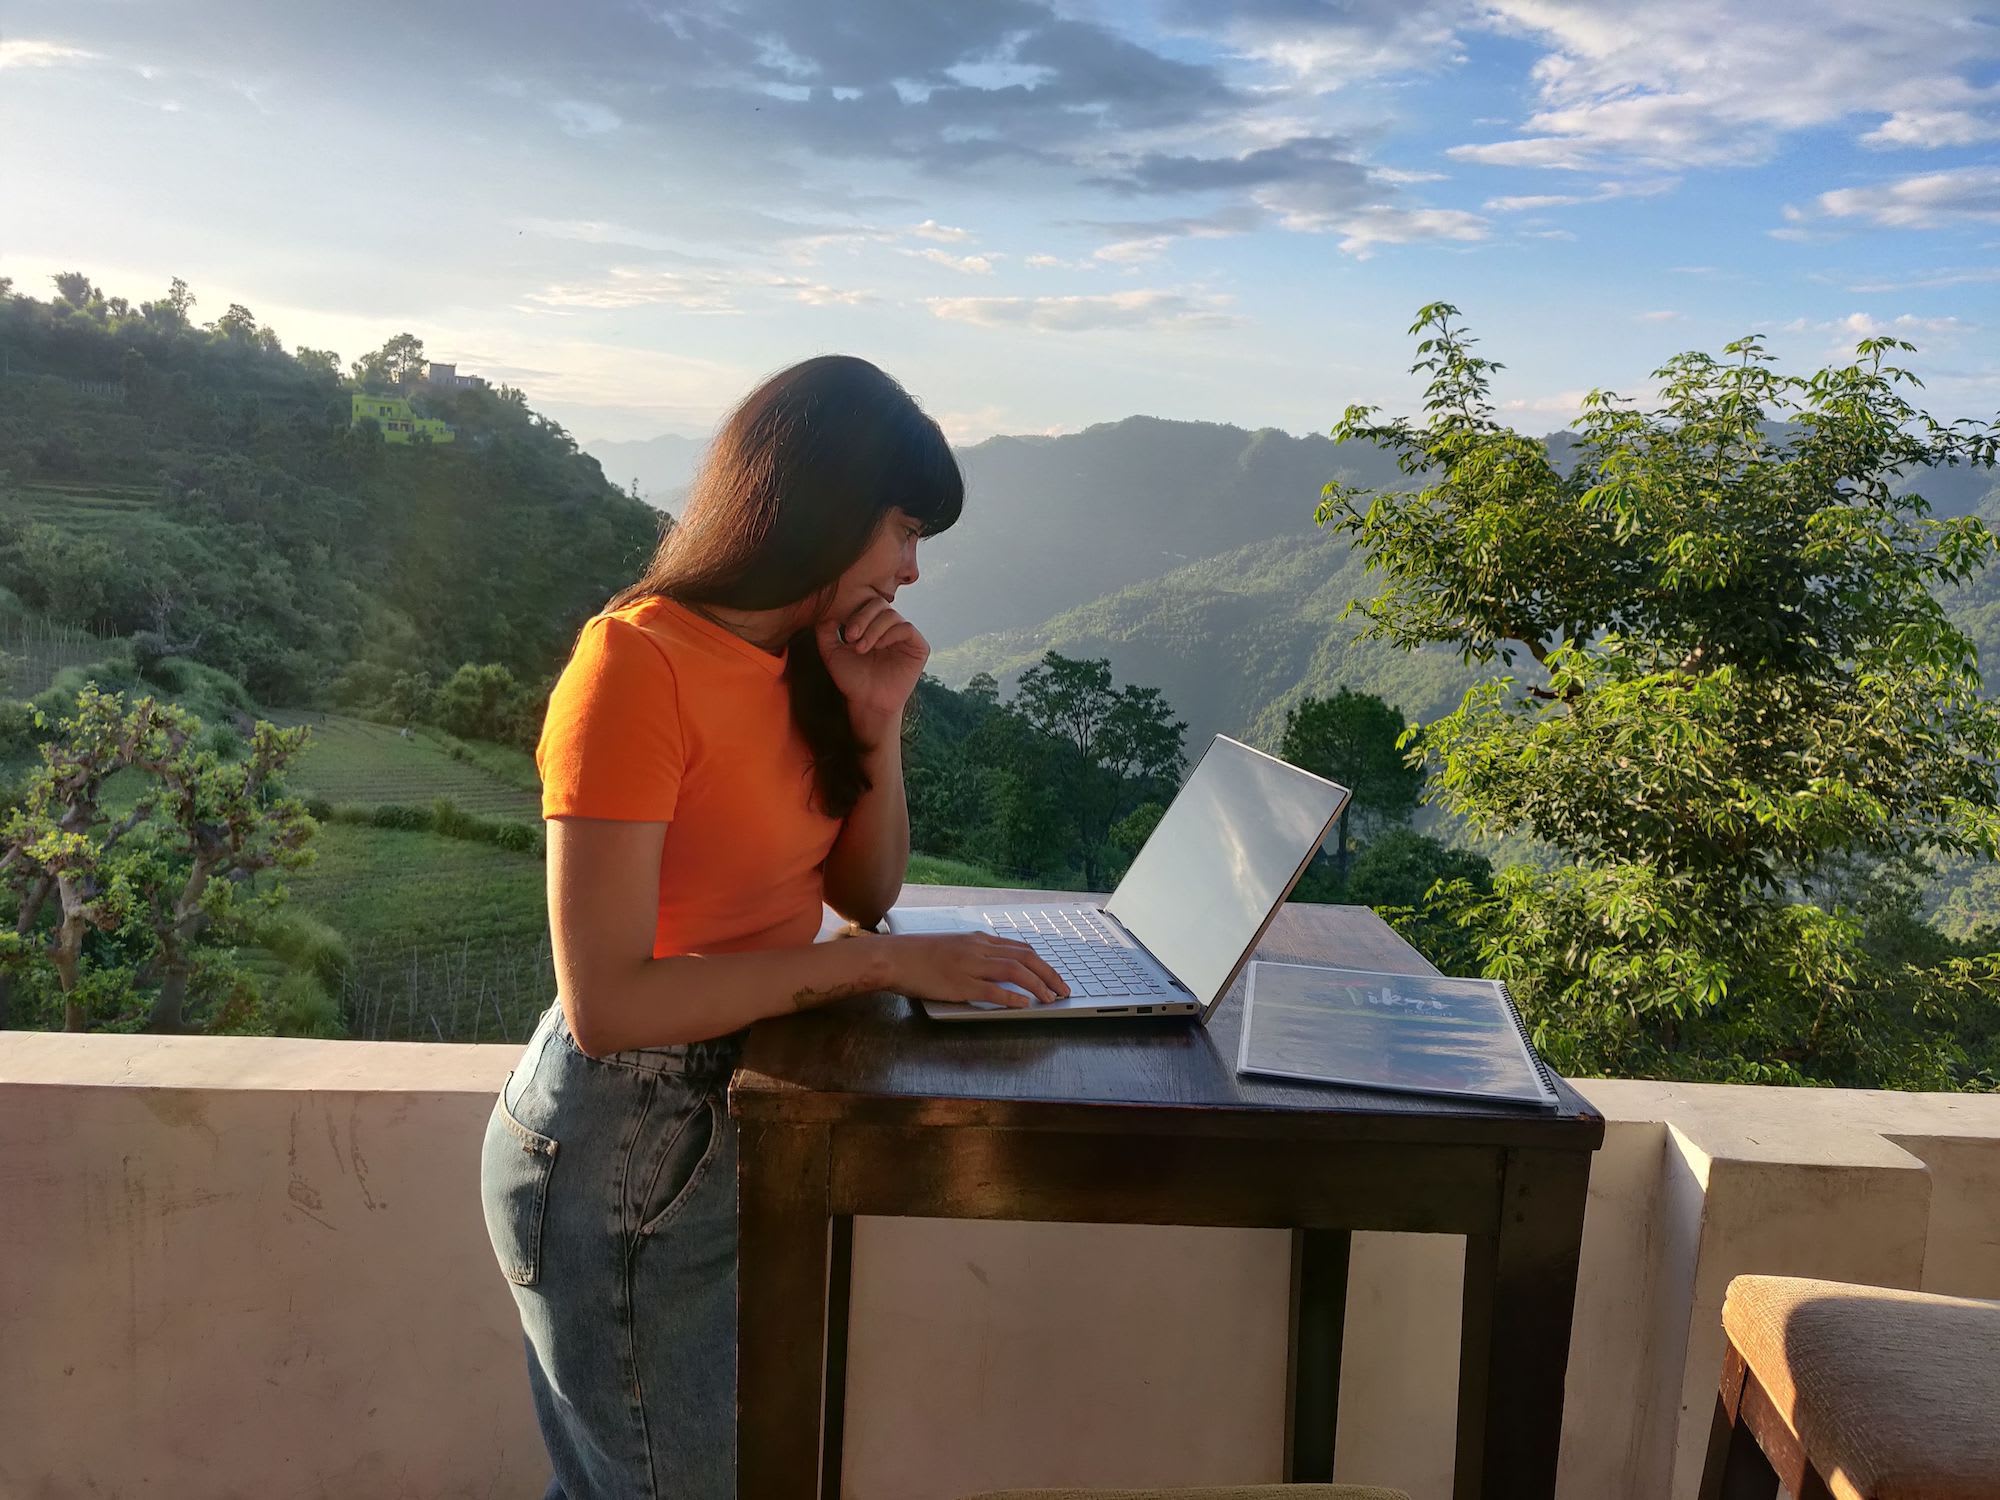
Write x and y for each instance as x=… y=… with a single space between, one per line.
x=258 y=1268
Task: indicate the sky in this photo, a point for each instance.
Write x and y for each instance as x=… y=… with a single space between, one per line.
x=1038 y=216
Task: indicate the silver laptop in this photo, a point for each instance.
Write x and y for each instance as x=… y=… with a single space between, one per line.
x=1187 y=914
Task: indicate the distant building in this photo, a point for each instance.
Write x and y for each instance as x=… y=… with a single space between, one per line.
x=448 y=377
x=398 y=423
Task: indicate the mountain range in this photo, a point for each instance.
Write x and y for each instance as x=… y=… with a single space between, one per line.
x=1186 y=554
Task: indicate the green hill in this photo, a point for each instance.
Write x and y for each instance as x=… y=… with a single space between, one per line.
x=205 y=486
x=1233 y=641
x=1052 y=523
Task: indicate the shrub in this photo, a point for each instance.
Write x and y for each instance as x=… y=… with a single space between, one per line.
x=299 y=1005
x=518 y=837
x=307 y=944
x=449 y=819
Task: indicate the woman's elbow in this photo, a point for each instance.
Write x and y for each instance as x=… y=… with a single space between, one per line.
x=864 y=909
x=585 y=1029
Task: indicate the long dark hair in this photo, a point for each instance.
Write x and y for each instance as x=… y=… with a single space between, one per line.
x=790 y=494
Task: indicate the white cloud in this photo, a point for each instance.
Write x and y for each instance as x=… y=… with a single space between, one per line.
x=1363 y=229
x=1134 y=252
x=971 y=265
x=1564 y=404
x=1863 y=325
x=1932 y=280
x=964 y=428
x=1399 y=178
x=1842 y=334
x=818 y=294
x=1663 y=316
x=25 y=54
x=1531 y=200
x=1931 y=201
x=806 y=249
x=627 y=286
x=1139 y=308
x=597 y=232
x=1325 y=48
x=579 y=117
x=930 y=229
x=1644 y=188
x=1931 y=128
x=1717 y=82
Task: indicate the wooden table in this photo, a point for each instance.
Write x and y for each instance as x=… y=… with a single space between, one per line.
x=870 y=1107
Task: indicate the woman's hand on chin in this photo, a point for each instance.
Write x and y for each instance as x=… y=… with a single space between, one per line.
x=875 y=657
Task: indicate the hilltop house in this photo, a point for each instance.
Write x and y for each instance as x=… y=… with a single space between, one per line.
x=448 y=378
x=399 y=424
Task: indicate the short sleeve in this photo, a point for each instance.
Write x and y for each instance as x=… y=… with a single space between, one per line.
x=611 y=745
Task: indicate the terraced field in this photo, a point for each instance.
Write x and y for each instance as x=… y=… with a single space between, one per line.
x=87 y=509
x=368 y=765
x=449 y=937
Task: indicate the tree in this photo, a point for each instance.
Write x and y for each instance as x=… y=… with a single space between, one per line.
x=398 y=363
x=1126 y=743
x=156 y=885
x=224 y=825
x=58 y=843
x=320 y=361
x=75 y=289
x=1357 y=740
x=238 y=324
x=479 y=702
x=1745 y=682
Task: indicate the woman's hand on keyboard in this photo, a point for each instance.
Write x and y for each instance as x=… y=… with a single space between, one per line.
x=973 y=966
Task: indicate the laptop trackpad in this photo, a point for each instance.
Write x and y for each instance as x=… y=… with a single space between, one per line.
x=909 y=919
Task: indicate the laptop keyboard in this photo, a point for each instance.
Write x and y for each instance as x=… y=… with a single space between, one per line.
x=1092 y=955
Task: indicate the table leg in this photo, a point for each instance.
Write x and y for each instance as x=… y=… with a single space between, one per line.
x=784 y=1250
x=1312 y=1367
x=1520 y=1293
x=839 y=1285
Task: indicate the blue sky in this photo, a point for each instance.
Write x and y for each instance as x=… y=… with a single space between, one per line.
x=1037 y=216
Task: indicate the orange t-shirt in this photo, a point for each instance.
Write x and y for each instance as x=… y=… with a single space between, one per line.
x=663 y=716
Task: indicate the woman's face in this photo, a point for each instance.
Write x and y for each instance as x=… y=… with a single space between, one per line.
x=888 y=563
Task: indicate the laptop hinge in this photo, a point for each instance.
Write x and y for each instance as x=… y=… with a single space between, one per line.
x=1172 y=978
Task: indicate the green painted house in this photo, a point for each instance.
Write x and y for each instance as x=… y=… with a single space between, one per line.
x=398 y=423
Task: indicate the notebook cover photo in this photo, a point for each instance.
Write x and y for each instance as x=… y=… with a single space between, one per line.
x=1414 y=1033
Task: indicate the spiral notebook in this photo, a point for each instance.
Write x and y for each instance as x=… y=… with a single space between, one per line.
x=1413 y=1033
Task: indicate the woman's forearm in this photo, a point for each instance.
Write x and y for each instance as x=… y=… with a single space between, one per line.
x=692 y=997
x=865 y=870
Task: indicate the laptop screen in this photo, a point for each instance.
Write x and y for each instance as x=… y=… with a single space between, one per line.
x=1223 y=857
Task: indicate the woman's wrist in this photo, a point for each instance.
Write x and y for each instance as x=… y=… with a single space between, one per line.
x=876 y=952
x=875 y=729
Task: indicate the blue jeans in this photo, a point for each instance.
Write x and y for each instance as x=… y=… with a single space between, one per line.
x=610 y=1193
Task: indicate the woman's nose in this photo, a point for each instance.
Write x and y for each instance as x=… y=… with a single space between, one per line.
x=907 y=574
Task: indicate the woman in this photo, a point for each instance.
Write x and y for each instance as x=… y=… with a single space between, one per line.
x=722 y=752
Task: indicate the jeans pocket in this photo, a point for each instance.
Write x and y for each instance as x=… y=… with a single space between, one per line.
x=515 y=1167
x=682 y=1164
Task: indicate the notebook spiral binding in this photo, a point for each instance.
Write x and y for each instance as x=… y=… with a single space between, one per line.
x=1547 y=1074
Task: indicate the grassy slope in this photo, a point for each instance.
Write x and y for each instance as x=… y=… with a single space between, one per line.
x=367 y=765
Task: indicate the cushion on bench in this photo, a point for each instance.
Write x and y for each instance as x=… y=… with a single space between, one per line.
x=1895 y=1395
